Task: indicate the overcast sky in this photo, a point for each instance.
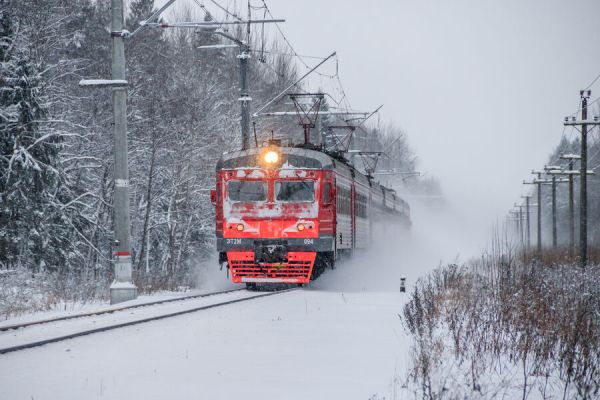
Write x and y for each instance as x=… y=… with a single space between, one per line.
x=480 y=86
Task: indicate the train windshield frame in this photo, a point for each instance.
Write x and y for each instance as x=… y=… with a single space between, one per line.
x=296 y=191
x=245 y=191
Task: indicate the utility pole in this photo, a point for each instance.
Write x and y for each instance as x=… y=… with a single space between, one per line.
x=571 y=158
x=554 y=234
x=571 y=212
x=553 y=170
x=527 y=222
x=583 y=181
x=514 y=216
x=549 y=170
x=245 y=98
x=539 y=216
x=585 y=95
x=539 y=210
x=122 y=288
x=520 y=227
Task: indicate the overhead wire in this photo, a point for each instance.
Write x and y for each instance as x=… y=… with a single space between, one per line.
x=295 y=53
x=592 y=83
x=226 y=10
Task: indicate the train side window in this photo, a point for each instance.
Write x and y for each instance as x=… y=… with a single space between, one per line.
x=326 y=193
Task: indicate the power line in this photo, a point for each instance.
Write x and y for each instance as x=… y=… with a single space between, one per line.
x=594 y=81
x=226 y=10
x=289 y=54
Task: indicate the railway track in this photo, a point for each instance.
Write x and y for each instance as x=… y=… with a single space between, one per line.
x=110 y=310
x=28 y=344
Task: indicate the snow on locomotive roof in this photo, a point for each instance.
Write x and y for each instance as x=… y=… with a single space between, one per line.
x=294 y=157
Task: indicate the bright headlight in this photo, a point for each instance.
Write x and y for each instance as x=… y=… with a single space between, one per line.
x=271 y=157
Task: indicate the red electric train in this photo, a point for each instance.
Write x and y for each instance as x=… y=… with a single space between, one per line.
x=285 y=214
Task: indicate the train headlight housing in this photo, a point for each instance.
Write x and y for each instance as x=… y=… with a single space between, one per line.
x=300 y=227
x=240 y=227
x=271 y=157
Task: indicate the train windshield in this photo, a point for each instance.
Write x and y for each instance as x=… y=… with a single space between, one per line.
x=295 y=191
x=247 y=191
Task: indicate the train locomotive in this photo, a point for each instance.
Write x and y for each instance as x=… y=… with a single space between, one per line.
x=285 y=214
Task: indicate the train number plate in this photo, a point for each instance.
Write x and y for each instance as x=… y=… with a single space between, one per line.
x=233 y=241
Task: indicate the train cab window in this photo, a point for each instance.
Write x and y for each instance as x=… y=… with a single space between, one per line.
x=295 y=191
x=247 y=190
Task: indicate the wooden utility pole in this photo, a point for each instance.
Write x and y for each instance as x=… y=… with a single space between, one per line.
x=571 y=158
x=584 y=123
x=554 y=171
x=520 y=227
x=527 y=222
x=539 y=211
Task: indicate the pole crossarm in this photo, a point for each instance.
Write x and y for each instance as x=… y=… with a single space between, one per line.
x=285 y=113
x=595 y=122
x=569 y=172
x=397 y=173
x=217 y=46
x=209 y=24
x=549 y=181
x=102 y=83
x=152 y=21
x=570 y=156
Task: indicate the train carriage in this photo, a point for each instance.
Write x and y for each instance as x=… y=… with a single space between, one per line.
x=284 y=214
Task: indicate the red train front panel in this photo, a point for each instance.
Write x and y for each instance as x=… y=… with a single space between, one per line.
x=268 y=222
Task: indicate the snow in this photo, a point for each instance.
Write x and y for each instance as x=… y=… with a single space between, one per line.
x=52 y=330
x=341 y=338
x=68 y=309
x=292 y=173
x=122 y=285
x=102 y=82
x=298 y=345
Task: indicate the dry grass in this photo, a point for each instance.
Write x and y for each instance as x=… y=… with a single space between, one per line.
x=523 y=325
x=559 y=256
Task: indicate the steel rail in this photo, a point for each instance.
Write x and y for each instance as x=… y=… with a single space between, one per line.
x=110 y=310
x=135 y=322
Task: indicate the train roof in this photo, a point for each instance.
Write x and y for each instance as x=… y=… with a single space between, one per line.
x=294 y=157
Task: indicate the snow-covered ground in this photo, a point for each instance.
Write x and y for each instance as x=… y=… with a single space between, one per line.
x=97 y=306
x=23 y=336
x=339 y=338
x=297 y=345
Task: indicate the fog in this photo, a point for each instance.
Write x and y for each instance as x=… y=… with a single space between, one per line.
x=439 y=235
x=481 y=87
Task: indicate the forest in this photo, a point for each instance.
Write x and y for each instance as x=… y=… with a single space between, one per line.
x=56 y=146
